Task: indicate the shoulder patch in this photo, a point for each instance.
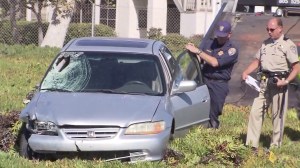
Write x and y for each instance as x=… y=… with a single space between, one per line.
x=231 y=51
x=293 y=49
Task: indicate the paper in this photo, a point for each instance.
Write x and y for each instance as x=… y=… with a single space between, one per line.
x=253 y=83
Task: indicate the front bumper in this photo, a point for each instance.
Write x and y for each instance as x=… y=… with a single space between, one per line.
x=151 y=146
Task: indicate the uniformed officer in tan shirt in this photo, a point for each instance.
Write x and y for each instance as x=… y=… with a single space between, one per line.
x=278 y=62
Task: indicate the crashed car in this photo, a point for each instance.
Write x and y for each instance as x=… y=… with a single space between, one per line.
x=121 y=95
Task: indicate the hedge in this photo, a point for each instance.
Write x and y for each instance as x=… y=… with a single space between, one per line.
x=28 y=32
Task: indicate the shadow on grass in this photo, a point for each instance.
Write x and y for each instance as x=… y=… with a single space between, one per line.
x=292 y=134
x=264 y=139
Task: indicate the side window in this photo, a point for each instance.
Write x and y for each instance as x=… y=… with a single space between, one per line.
x=190 y=67
x=171 y=61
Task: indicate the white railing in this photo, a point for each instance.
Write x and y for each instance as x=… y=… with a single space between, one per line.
x=195 y=5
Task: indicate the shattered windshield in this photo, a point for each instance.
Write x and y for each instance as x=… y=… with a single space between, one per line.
x=122 y=73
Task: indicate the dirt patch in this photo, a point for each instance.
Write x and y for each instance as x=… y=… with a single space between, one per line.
x=7 y=135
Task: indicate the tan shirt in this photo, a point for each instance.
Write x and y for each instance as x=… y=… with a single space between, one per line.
x=277 y=55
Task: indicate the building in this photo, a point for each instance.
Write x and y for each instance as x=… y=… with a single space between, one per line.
x=133 y=18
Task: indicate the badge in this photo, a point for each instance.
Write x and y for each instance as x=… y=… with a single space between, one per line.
x=221 y=28
x=280 y=48
x=231 y=51
x=220 y=53
x=293 y=49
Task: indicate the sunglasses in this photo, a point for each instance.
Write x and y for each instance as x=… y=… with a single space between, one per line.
x=270 y=29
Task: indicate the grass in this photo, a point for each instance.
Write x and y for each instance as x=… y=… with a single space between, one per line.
x=21 y=68
x=203 y=147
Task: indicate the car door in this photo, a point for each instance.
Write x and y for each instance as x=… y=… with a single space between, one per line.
x=190 y=108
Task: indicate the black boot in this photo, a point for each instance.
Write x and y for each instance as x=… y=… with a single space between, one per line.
x=214 y=124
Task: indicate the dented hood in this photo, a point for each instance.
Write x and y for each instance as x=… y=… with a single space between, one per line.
x=93 y=108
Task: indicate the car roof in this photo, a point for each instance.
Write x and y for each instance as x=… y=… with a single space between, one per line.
x=114 y=44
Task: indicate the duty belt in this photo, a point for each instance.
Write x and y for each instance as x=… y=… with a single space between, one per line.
x=279 y=74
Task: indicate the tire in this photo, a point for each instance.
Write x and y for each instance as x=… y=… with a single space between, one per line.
x=24 y=148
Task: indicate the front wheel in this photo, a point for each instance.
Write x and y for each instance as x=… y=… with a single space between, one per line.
x=24 y=148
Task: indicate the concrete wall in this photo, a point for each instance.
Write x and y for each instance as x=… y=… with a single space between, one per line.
x=199 y=22
x=195 y=23
x=127 y=18
x=157 y=15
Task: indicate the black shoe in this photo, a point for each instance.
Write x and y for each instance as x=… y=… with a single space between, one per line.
x=267 y=151
x=213 y=124
x=254 y=151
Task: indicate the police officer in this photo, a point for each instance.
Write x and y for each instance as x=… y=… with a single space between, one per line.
x=219 y=56
x=276 y=57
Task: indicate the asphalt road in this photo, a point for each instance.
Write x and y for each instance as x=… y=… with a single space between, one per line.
x=248 y=33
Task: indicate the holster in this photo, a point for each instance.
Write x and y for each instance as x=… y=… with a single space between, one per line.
x=272 y=76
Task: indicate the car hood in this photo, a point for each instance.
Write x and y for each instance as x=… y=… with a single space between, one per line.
x=95 y=108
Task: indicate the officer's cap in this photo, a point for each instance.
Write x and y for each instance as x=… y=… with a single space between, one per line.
x=223 y=29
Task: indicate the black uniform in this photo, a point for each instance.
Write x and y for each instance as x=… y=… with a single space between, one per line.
x=216 y=78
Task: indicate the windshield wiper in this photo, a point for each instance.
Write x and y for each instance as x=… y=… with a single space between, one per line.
x=138 y=93
x=118 y=92
x=56 y=90
x=100 y=90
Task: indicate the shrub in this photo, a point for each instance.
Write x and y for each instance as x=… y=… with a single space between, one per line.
x=5 y=35
x=154 y=33
x=175 y=42
x=85 y=30
x=196 y=39
x=28 y=32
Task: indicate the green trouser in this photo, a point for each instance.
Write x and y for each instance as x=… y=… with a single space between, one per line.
x=269 y=95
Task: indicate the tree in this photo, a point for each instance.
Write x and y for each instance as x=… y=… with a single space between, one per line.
x=61 y=18
x=10 y=8
x=13 y=21
x=13 y=7
x=30 y=4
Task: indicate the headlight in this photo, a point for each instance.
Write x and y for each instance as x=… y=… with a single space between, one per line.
x=45 y=128
x=146 y=128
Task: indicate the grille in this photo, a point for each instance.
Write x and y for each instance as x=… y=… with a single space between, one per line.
x=90 y=133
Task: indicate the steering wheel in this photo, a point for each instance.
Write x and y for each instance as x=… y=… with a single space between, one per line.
x=136 y=83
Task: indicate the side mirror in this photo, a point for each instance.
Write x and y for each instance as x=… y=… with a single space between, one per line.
x=30 y=94
x=37 y=86
x=184 y=86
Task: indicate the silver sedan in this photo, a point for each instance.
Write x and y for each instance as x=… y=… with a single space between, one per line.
x=120 y=95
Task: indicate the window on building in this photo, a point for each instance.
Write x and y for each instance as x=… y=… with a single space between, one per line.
x=108 y=16
x=142 y=18
x=84 y=12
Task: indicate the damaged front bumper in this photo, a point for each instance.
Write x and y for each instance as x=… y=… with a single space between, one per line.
x=145 y=147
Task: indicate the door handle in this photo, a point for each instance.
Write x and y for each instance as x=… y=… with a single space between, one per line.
x=204 y=100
